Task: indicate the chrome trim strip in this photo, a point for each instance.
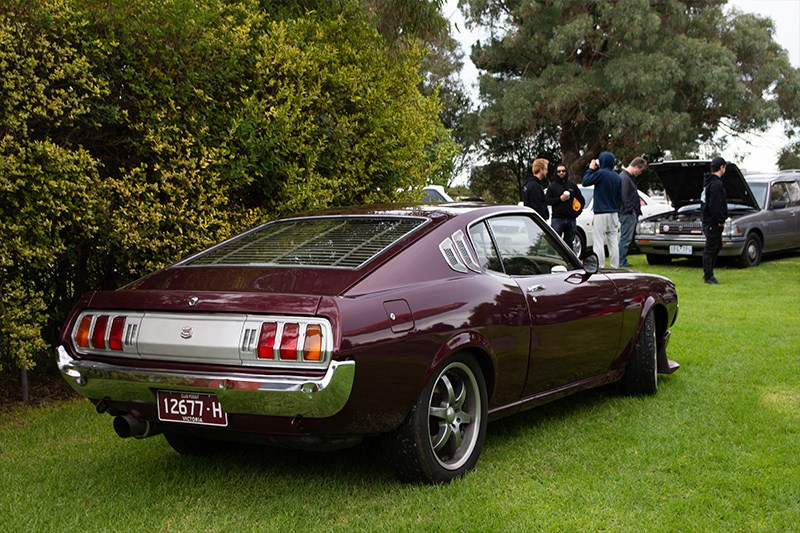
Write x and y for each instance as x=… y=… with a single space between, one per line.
x=238 y=393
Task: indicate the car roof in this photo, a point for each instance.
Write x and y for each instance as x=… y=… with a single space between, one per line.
x=782 y=175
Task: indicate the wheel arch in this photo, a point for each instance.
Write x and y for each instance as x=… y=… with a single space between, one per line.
x=474 y=344
x=662 y=323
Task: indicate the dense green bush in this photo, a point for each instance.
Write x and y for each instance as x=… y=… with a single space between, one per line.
x=133 y=133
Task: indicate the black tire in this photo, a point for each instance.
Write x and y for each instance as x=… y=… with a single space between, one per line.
x=641 y=375
x=751 y=254
x=192 y=445
x=655 y=259
x=442 y=437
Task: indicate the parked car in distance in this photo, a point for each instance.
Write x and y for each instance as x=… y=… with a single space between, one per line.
x=763 y=209
x=417 y=324
x=584 y=240
x=435 y=194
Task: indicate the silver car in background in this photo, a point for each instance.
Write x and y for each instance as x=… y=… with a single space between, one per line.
x=763 y=209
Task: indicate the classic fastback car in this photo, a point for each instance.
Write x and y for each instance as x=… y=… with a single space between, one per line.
x=763 y=209
x=415 y=323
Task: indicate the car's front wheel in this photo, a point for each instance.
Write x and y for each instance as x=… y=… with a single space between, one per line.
x=641 y=372
x=751 y=255
x=442 y=437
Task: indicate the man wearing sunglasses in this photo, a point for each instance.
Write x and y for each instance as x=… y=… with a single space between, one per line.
x=566 y=201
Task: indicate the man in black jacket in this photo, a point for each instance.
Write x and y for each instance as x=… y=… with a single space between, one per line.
x=533 y=192
x=562 y=196
x=714 y=207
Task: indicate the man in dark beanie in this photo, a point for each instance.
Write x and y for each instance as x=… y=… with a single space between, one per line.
x=714 y=207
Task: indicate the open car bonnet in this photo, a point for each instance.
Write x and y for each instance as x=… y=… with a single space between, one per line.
x=683 y=181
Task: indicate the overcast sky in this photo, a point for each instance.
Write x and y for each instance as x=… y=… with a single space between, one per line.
x=759 y=151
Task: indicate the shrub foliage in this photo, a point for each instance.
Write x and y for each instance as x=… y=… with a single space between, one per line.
x=134 y=133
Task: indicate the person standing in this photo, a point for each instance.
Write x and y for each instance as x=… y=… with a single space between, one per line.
x=607 y=200
x=533 y=192
x=714 y=207
x=566 y=200
x=631 y=208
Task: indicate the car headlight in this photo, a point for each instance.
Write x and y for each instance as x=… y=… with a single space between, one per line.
x=646 y=228
x=731 y=229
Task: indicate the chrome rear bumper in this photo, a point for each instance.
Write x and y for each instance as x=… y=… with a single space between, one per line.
x=238 y=393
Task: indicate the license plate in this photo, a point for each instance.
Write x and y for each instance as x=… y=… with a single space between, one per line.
x=677 y=249
x=190 y=408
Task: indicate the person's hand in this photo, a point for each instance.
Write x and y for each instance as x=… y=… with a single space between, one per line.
x=594 y=164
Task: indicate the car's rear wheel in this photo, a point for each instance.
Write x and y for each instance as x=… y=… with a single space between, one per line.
x=442 y=437
x=657 y=259
x=751 y=255
x=186 y=444
x=641 y=372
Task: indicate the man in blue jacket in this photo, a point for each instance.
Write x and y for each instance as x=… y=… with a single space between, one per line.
x=607 y=200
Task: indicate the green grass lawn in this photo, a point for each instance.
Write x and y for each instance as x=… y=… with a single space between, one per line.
x=717 y=449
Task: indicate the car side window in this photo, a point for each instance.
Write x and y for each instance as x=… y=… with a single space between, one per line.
x=794 y=192
x=484 y=247
x=524 y=247
x=778 y=196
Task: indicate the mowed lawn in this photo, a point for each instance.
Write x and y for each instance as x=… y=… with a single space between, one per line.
x=717 y=449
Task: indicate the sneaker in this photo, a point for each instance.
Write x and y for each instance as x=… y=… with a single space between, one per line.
x=712 y=281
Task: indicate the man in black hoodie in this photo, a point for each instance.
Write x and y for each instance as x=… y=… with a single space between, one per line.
x=714 y=206
x=567 y=202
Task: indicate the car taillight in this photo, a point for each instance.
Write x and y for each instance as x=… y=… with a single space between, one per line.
x=82 y=334
x=94 y=332
x=281 y=341
x=312 y=347
x=99 y=332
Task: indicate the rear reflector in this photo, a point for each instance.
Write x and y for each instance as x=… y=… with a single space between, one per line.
x=289 y=341
x=115 y=336
x=266 y=340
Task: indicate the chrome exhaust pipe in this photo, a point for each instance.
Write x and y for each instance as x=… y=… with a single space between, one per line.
x=128 y=425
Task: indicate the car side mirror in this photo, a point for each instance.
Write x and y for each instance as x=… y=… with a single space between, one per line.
x=591 y=264
x=778 y=204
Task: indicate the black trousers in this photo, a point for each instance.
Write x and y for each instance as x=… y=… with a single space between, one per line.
x=713 y=233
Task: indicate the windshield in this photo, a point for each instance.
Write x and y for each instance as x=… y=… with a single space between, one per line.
x=760 y=193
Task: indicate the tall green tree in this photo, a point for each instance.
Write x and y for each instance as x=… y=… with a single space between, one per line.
x=630 y=76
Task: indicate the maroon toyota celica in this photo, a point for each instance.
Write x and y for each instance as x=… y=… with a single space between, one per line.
x=418 y=324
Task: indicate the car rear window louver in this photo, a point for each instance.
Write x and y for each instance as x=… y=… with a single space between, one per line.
x=344 y=242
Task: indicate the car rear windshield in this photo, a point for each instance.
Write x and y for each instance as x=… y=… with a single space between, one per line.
x=344 y=242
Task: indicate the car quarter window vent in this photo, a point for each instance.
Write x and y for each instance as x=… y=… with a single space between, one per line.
x=461 y=245
x=449 y=253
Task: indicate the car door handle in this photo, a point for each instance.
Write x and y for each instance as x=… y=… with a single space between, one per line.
x=536 y=288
